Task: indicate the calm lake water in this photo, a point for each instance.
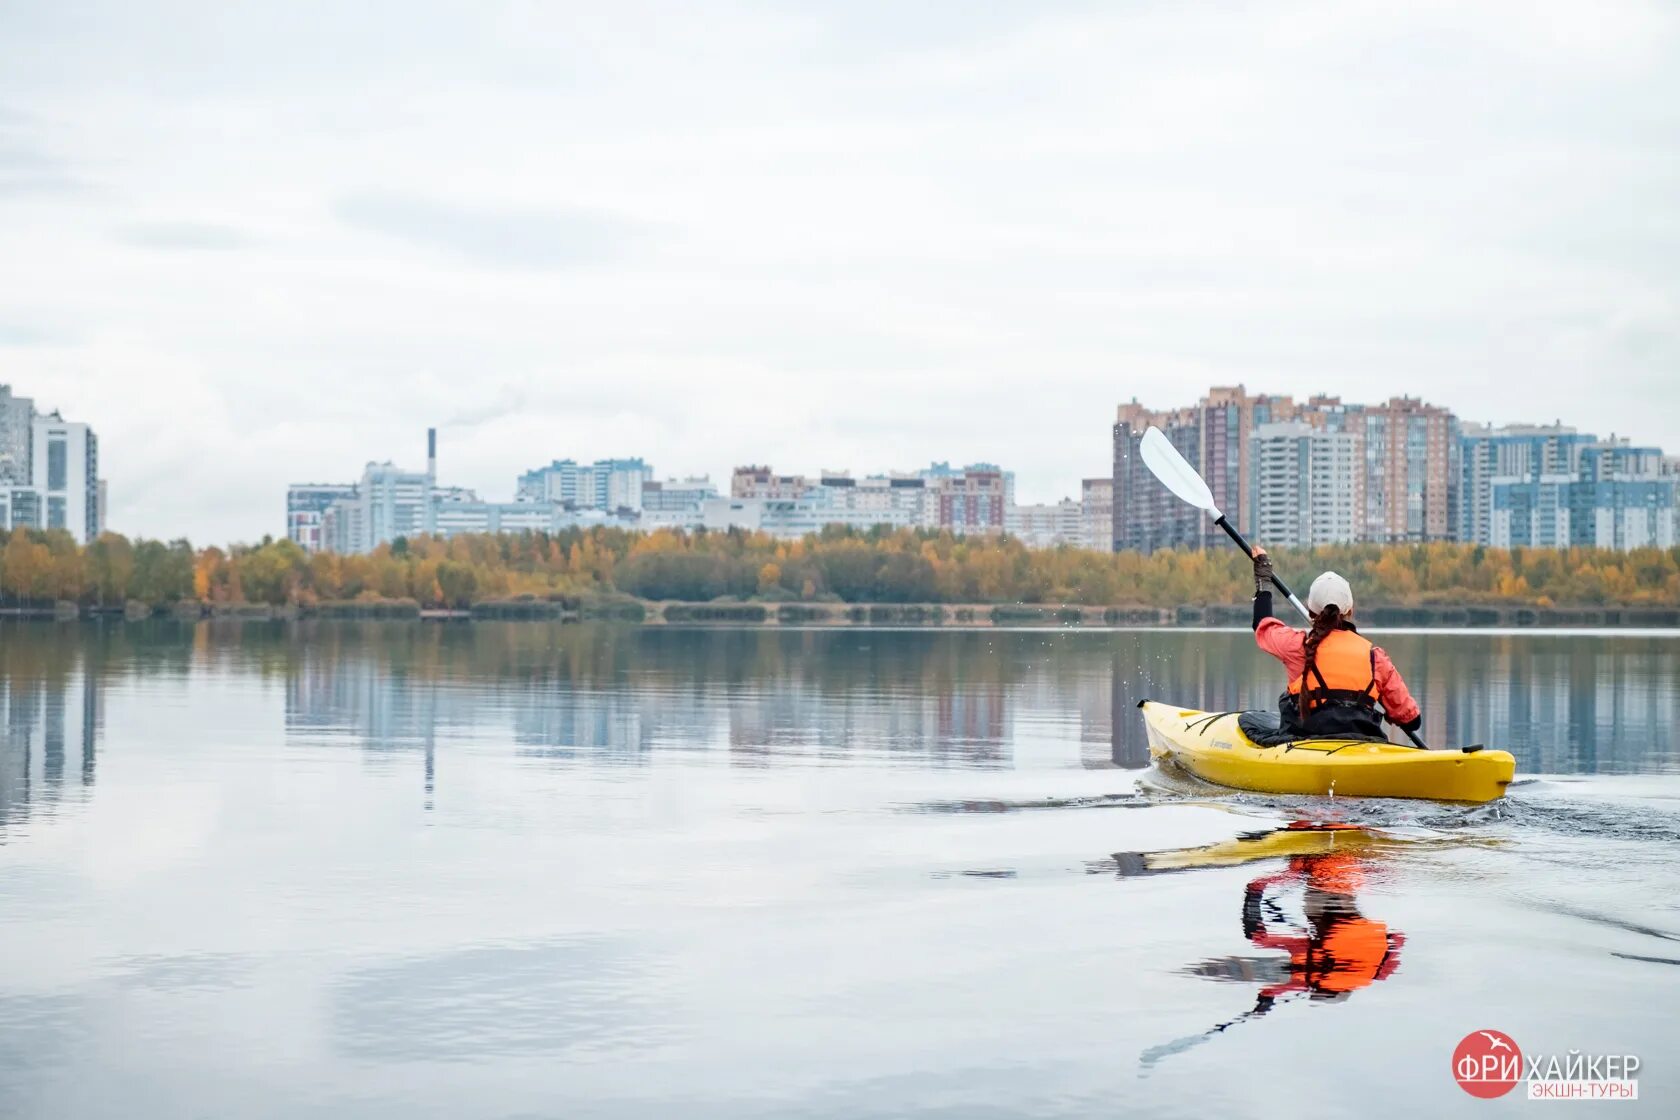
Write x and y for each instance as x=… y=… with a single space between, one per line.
x=527 y=870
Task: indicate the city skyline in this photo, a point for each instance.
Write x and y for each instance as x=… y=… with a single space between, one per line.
x=1033 y=491
x=1296 y=474
x=813 y=234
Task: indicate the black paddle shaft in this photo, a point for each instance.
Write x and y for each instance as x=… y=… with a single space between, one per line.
x=1231 y=531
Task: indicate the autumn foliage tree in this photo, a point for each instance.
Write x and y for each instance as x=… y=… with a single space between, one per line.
x=837 y=564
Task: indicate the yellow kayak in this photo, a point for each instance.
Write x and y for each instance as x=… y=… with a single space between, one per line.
x=1213 y=747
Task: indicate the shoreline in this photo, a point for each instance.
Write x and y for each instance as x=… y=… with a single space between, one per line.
x=941 y=615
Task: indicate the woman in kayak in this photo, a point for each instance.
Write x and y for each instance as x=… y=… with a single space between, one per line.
x=1340 y=685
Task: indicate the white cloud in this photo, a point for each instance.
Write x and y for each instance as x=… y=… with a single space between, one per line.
x=815 y=234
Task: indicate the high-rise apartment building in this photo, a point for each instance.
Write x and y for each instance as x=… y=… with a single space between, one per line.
x=1514 y=484
x=1306 y=485
x=64 y=471
x=1145 y=515
x=17 y=435
x=1623 y=498
x=1411 y=460
x=1213 y=435
x=971 y=499
x=1550 y=486
x=1406 y=487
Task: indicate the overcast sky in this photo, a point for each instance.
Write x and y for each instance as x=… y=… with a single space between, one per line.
x=257 y=243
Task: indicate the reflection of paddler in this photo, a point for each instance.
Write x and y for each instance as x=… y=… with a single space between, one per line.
x=1341 y=950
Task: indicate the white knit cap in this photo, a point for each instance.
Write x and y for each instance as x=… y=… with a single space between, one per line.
x=1330 y=590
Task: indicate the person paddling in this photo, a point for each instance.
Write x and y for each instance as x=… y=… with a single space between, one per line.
x=1340 y=685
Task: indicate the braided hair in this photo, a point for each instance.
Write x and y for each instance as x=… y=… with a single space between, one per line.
x=1323 y=624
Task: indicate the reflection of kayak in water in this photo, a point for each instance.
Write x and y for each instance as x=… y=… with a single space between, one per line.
x=1214 y=747
x=1298 y=839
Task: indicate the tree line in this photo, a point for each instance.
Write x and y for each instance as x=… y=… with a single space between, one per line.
x=837 y=564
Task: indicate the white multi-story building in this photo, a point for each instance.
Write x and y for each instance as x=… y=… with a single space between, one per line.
x=971 y=499
x=65 y=472
x=721 y=513
x=1306 y=484
x=457 y=515
x=896 y=499
x=676 y=503
x=395 y=503
x=1047 y=525
x=389 y=502
x=49 y=471
x=606 y=484
x=856 y=504
x=868 y=502
x=1096 y=513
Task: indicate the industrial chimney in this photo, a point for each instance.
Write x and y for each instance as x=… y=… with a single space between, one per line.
x=431 y=455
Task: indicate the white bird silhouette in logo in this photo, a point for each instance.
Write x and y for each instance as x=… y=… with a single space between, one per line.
x=1494 y=1041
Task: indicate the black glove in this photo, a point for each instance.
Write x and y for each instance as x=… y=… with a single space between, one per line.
x=1412 y=724
x=1262 y=573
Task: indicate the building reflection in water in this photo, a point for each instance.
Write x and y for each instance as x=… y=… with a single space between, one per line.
x=1562 y=703
x=624 y=694
x=51 y=716
x=987 y=698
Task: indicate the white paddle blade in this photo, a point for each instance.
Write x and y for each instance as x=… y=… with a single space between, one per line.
x=1177 y=475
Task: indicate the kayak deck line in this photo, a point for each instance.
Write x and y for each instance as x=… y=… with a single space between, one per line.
x=1207 y=721
x=1214 y=747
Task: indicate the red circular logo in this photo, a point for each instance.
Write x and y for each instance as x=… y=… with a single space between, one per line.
x=1487 y=1063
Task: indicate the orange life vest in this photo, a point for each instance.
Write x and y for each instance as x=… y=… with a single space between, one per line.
x=1344 y=669
x=1350 y=956
x=1338 y=873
